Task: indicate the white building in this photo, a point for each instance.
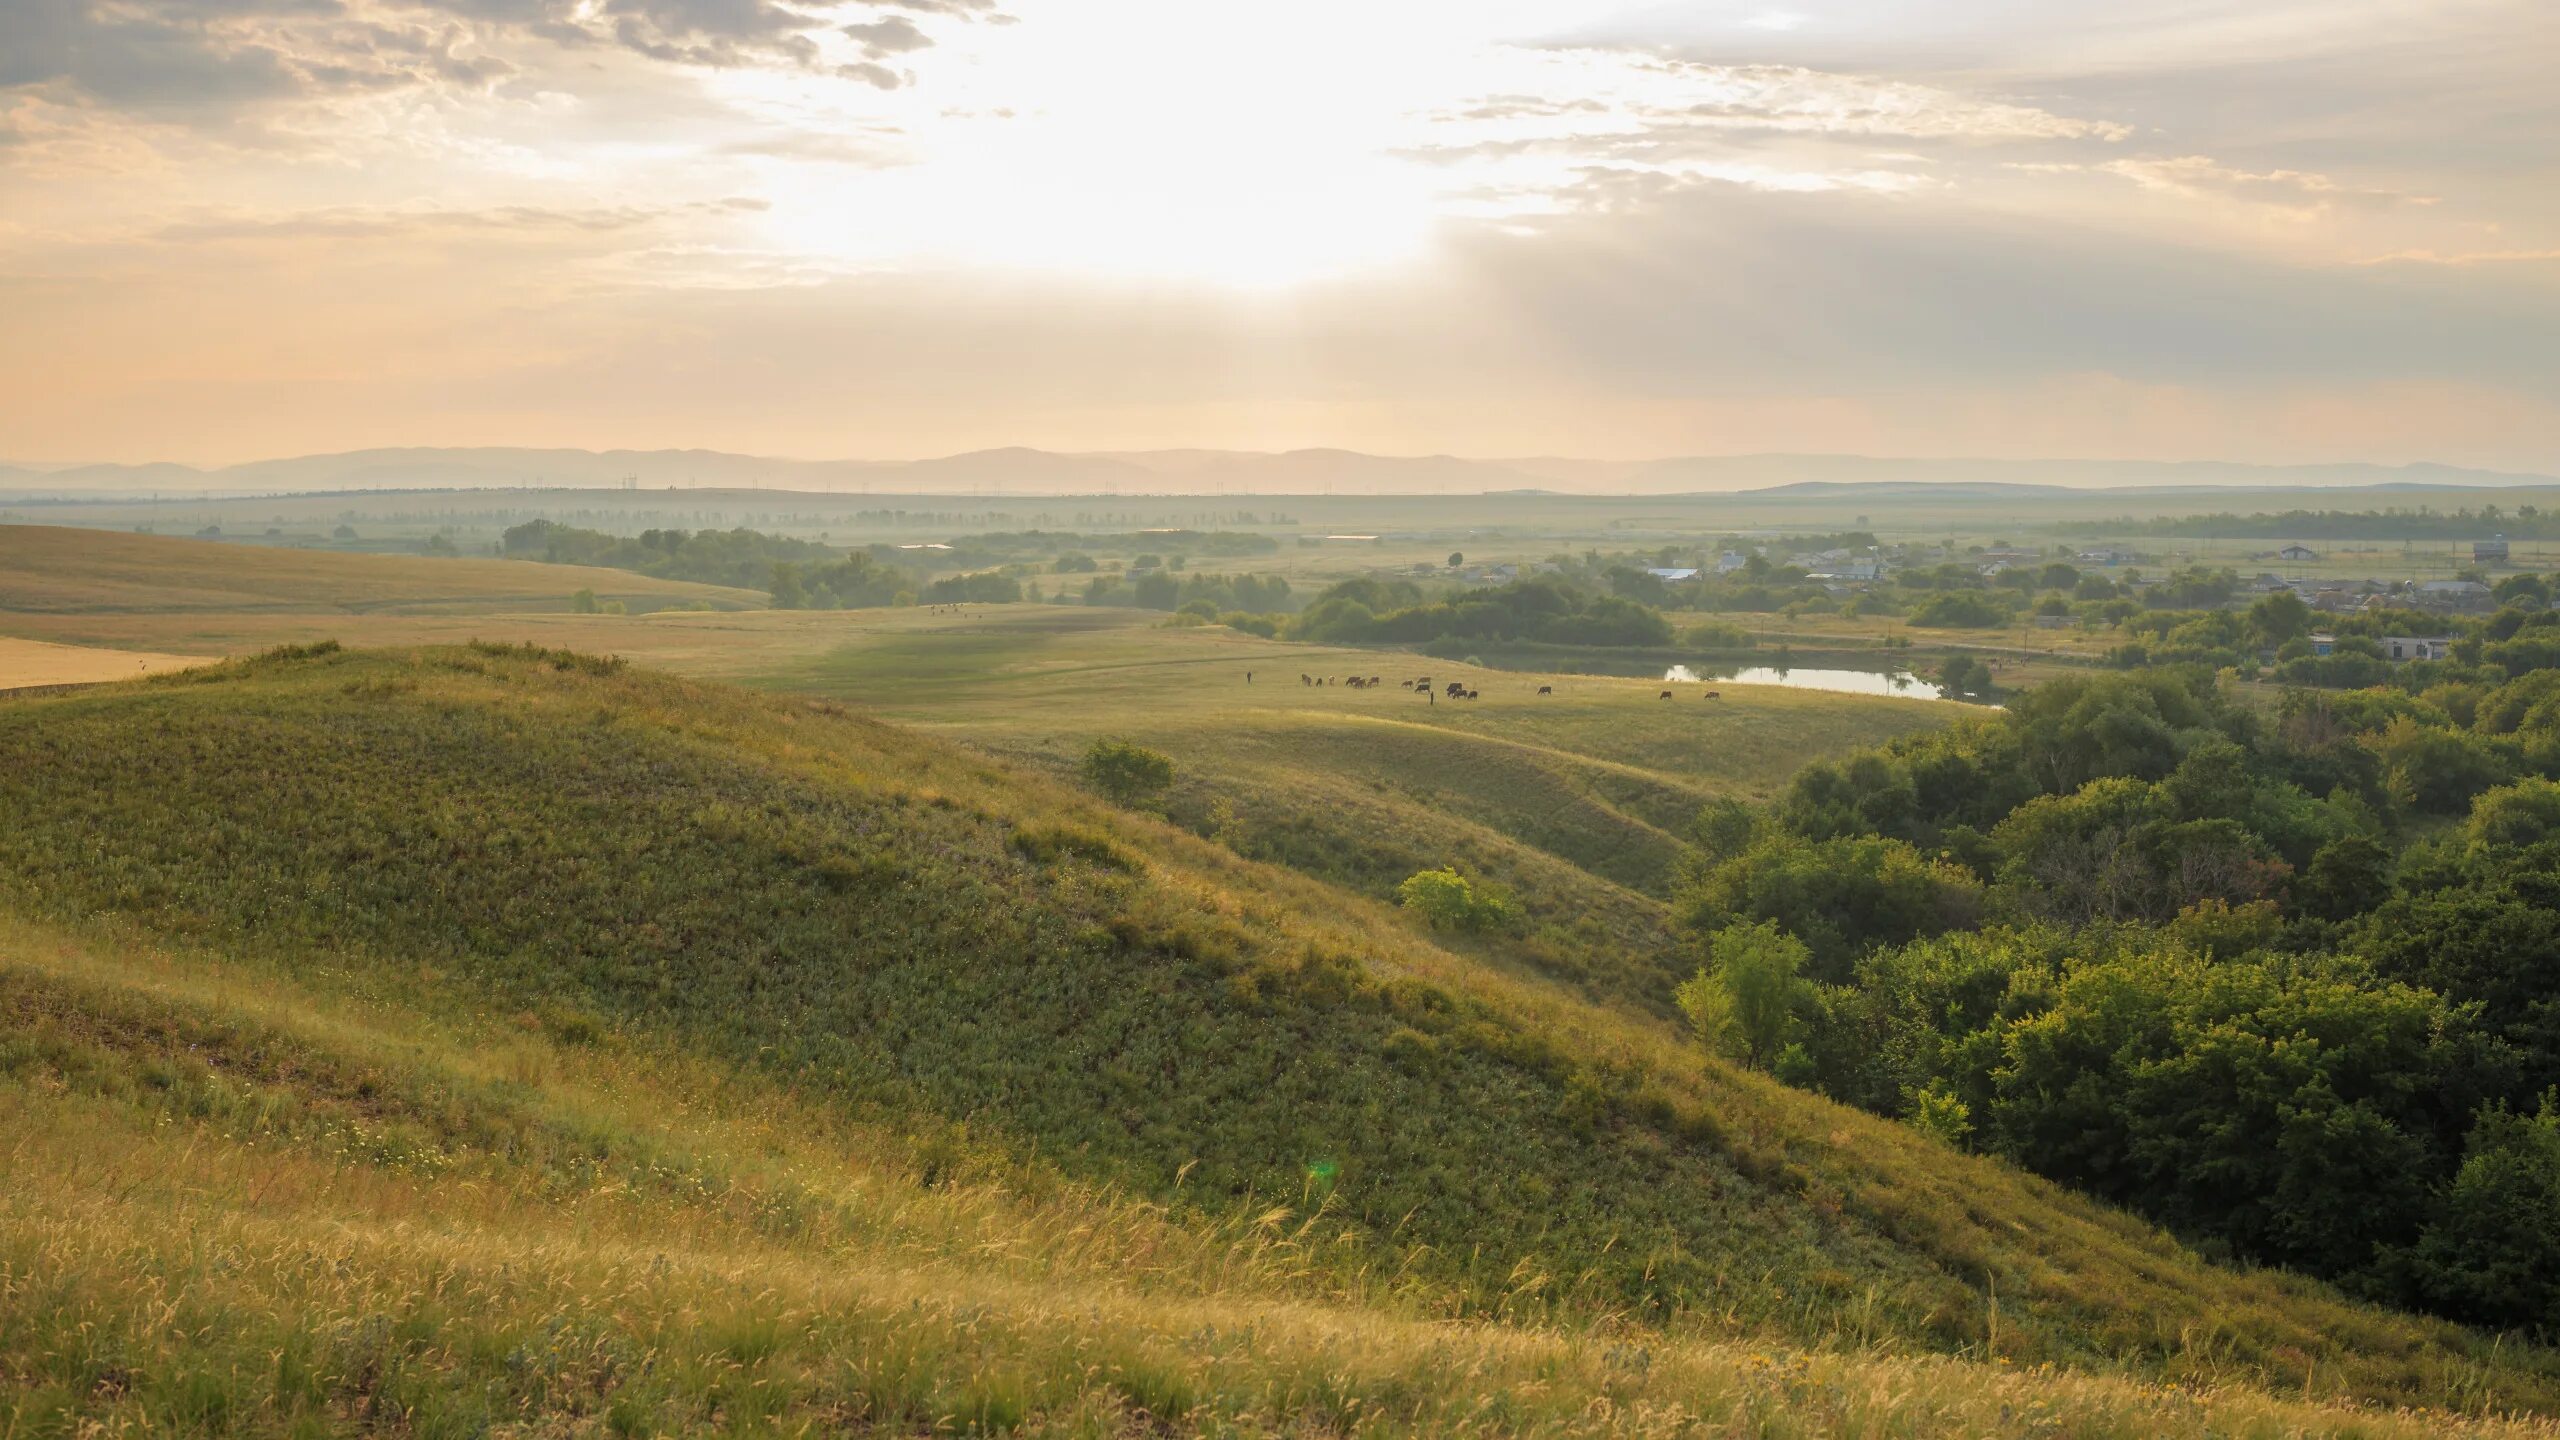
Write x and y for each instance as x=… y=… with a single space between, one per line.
x=2418 y=647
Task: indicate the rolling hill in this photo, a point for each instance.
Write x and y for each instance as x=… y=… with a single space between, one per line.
x=482 y=1033
x=49 y=569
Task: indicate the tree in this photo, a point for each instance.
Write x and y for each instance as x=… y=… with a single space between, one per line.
x=2279 y=617
x=1746 y=996
x=788 y=593
x=2491 y=1251
x=583 y=603
x=1940 y=1114
x=1447 y=900
x=1963 y=675
x=1841 y=896
x=1126 y=773
x=1456 y=559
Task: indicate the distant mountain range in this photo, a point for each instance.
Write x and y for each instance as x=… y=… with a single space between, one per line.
x=1202 y=472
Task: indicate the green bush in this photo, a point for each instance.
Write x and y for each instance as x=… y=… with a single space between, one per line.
x=1447 y=900
x=1127 y=774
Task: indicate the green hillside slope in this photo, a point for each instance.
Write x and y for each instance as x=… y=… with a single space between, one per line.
x=914 y=941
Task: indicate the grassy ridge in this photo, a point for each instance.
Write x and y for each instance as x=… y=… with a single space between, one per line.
x=59 y=569
x=384 y=1220
x=935 y=943
x=1575 y=800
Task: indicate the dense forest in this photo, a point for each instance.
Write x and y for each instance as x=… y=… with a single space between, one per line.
x=2284 y=977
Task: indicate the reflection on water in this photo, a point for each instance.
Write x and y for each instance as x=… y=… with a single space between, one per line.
x=1849 y=682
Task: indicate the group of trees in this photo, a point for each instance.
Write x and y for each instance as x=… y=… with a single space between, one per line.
x=1539 y=611
x=1210 y=595
x=2286 y=979
x=743 y=558
x=2272 y=637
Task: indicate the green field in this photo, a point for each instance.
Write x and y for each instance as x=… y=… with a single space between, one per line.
x=53 y=570
x=569 y=1043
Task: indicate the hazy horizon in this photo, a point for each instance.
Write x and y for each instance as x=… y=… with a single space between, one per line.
x=1024 y=473
x=2247 y=231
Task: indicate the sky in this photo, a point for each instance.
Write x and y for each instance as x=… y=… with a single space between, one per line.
x=2255 y=230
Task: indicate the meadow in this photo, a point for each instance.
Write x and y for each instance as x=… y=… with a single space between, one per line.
x=626 y=1046
x=746 y=1019
x=52 y=570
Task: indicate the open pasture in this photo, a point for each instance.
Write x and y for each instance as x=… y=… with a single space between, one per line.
x=27 y=664
x=61 y=570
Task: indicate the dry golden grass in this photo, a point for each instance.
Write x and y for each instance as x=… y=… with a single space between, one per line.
x=27 y=663
x=169 y=1267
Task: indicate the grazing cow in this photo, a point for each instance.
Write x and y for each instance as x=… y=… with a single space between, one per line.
x=1408 y=684
x=1666 y=694
x=1546 y=689
x=1305 y=679
x=1456 y=689
x=1474 y=695
x=1374 y=680
x=1715 y=694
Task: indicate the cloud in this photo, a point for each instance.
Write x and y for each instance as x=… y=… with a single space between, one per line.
x=376 y=222
x=887 y=36
x=2201 y=177
x=964 y=9
x=209 y=60
x=1607 y=128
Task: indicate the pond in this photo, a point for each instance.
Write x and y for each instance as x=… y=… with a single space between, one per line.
x=1900 y=683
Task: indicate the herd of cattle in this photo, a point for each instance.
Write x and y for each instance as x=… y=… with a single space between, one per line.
x=1454 y=690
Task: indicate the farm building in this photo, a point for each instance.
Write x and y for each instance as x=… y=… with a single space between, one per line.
x=2418 y=647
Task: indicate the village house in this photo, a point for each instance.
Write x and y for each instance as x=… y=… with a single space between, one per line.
x=2418 y=647
x=2454 y=595
x=2299 y=554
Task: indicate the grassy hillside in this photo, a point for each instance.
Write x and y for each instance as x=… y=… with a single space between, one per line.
x=1576 y=800
x=60 y=569
x=290 y=902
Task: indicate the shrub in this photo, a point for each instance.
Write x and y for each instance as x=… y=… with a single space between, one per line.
x=1746 y=997
x=1447 y=900
x=1126 y=773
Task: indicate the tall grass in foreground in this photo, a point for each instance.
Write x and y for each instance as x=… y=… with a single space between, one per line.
x=165 y=1277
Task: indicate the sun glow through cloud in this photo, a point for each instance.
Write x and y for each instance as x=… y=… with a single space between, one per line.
x=1629 y=224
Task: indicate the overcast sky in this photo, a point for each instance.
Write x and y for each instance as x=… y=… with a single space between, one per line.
x=2283 y=230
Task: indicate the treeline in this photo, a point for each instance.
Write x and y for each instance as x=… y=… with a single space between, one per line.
x=743 y=558
x=1541 y=611
x=1949 y=595
x=2287 y=979
x=2525 y=522
x=1211 y=596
